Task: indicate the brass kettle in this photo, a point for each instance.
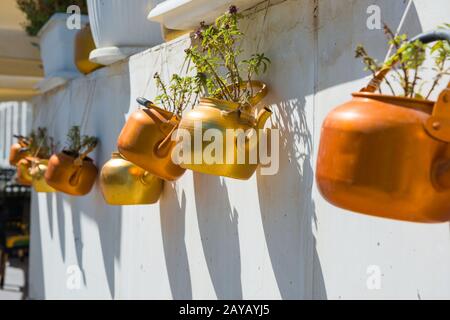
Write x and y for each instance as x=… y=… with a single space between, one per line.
x=222 y=115
x=24 y=177
x=388 y=156
x=37 y=172
x=84 y=44
x=124 y=183
x=146 y=140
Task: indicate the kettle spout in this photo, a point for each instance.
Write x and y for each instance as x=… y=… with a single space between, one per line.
x=262 y=117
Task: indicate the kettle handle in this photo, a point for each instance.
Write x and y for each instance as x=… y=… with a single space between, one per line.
x=425 y=38
x=150 y=106
x=259 y=95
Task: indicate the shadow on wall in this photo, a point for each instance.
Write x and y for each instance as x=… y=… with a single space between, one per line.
x=218 y=225
x=107 y=218
x=49 y=198
x=36 y=258
x=109 y=221
x=173 y=217
x=287 y=207
x=95 y=100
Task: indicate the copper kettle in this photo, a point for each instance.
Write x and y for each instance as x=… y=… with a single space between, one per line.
x=146 y=140
x=70 y=174
x=18 y=150
x=388 y=156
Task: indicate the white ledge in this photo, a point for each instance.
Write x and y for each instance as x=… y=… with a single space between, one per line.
x=57 y=17
x=187 y=14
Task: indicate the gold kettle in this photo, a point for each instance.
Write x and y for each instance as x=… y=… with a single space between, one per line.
x=24 y=177
x=124 y=183
x=146 y=141
x=222 y=115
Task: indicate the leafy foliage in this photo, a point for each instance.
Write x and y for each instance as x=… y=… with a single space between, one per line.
x=178 y=94
x=78 y=144
x=38 y=12
x=411 y=57
x=220 y=69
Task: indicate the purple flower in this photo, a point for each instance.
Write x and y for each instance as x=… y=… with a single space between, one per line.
x=198 y=34
x=233 y=10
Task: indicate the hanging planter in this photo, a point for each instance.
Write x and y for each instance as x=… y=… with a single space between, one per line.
x=37 y=172
x=223 y=115
x=230 y=104
x=71 y=171
x=120 y=29
x=124 y=183
x=145 y=140
x=24 y=177
x=388 y=156
x=39 y=146
x=84 y=45
x=18 y=150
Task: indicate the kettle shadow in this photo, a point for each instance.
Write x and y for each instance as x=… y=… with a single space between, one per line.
x=173 y=217
x=50 y=200
x=287 y=207
x=218 y=225
x=60 y=217
x=109 y=221
x=36 y=254
x=286 y=199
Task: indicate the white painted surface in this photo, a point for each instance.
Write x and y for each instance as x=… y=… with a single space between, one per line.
x=15 y=118
x=187 y=14
x=268 y=237
x=120 y=28
x=57 y=44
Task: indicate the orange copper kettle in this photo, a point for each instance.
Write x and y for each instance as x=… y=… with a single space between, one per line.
x=388 y=156
x=18 y=150
x=146 y=140
x=72 y=175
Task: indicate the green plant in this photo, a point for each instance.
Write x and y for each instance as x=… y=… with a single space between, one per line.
x=40 y=144
x=78 y=144
x=38 y=12
x=217 y=59
x=178 y=94
x=410 y=58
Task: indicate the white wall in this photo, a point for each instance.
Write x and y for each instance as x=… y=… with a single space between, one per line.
x=268 y=237
x=15 y=118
